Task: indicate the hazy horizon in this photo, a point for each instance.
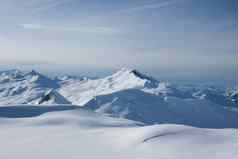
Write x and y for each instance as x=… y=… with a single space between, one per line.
x=183 y=40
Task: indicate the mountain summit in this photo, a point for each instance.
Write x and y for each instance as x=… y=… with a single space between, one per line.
x=81 y=92
x=134 y=76
x=41 y=80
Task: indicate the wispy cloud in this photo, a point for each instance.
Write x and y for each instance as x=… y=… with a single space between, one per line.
x=47 y=5
x=84 y=29
x=154 y=5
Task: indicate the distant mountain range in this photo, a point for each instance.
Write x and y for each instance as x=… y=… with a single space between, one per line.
x=125 y=94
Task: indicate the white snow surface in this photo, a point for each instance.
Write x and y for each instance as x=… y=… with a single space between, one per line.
x=151 y=109
x=78 y=133
x=38 y=120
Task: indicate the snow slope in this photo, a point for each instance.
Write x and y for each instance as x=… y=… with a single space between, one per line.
x=81 y=134
x=137 y=105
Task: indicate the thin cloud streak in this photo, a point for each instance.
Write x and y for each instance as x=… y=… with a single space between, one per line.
x=151 y=6
x=99 y=30
x=50 y=5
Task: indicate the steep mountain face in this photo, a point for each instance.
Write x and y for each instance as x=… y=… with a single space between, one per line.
x=81 y=92
x=52 y=97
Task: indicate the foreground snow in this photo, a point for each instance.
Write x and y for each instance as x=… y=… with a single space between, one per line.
x=77 y=133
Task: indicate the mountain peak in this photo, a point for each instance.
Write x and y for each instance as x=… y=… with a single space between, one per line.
x=128 y=71
x=33 y=73
x=140 y=75
x=134 y=76
x=37 y=78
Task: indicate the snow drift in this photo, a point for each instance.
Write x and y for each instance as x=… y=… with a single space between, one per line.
x=82 y=134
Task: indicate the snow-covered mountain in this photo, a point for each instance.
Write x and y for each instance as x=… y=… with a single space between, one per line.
x=126 y=94
x=81 y=92
x=152 y=109
x=17 y=87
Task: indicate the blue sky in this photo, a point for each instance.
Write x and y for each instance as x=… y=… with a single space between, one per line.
x=182 y=39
